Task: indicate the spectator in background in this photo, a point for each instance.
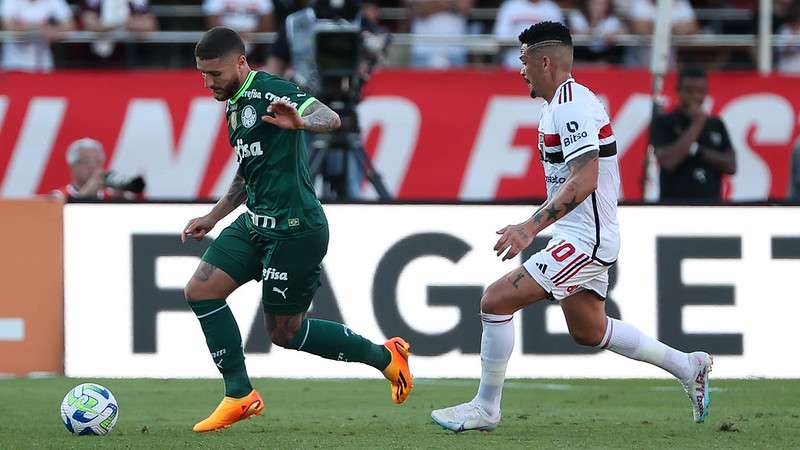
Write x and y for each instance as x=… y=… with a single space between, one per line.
x=788 y=60
x=44 y=21
x=86 y=159
x=514 y=16
x=244 y=16
x=693 y=149
x=90 y=180
x=112 y=15
x=642 y=17
x=439 y=17
x=596 y=18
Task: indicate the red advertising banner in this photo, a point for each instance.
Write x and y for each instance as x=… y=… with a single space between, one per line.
x=448 y=135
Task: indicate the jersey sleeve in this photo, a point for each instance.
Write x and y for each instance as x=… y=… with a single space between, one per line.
x=291 y=92
x=577 y=130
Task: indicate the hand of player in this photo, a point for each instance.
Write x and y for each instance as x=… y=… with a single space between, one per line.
x=515 y=238
x=697 y=115
x=197 y=228
x=284 y=115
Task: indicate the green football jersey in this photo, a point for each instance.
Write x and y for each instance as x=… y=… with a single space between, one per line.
x=273 y=161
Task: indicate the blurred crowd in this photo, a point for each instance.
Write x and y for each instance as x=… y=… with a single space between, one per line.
x=600 y=22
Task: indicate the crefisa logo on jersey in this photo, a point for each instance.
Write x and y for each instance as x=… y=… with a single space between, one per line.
x=252 y=93
x=249 y=116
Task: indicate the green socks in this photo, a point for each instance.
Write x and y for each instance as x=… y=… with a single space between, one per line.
x=225 y=344
x=332 y=340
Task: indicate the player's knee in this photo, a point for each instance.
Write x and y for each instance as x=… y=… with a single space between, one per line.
x=283 y=336
x=589 y=336
x=192 y=291
x=492 y=299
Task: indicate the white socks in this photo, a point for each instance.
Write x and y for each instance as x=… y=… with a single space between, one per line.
x=626 y=340
x=497 y=342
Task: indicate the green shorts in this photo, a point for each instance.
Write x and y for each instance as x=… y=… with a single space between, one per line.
x=288 y=268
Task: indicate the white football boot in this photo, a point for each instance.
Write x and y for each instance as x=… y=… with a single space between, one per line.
x=697 y=387
x=464 y=417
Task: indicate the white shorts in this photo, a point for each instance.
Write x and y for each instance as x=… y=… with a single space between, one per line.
x=561 y=268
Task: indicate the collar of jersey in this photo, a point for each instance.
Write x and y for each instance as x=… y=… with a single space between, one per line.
x=243 y=87
x=559 y=87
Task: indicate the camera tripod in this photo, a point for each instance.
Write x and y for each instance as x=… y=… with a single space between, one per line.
x=330 y=155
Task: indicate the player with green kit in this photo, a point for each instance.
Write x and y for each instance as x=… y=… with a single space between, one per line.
x=280 y=240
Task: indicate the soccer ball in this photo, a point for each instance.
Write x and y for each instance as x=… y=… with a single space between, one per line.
x=89 y=408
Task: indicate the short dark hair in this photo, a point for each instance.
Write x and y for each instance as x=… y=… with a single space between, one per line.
x=217 y=42
x=546 y=31
x=691 y=72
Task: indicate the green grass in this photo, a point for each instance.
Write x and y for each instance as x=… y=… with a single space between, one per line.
x=358 y=414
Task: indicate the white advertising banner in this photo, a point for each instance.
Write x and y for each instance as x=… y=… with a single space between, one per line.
x=717 y=279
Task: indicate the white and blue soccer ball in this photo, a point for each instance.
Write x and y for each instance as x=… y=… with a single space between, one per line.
x=89 y=408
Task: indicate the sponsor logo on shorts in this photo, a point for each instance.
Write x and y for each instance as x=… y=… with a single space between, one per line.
x=218 y=353
x=282 y=292
x=294 y=222
x=272 y=274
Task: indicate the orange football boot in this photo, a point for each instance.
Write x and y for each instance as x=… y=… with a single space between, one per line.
x=397 y=372
x=231 y=410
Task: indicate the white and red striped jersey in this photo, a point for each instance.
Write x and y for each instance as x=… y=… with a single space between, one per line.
x=574 y=122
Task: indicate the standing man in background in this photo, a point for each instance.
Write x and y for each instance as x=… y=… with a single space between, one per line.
x=693 y=149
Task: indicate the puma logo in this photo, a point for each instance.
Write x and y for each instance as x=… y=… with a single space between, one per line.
x=282 y=292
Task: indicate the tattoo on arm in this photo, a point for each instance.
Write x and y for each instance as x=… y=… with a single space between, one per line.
x=567 y=198
x=577 y=164
x=236 y=193
x=552 y=213
x=569 y=205
x=320 y=119
x=204 y=271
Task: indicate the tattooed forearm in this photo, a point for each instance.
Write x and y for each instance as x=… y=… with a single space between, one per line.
x=320 y=119
x=569 y=205
x=579 y=185
x=236 y=193
x=235 y=196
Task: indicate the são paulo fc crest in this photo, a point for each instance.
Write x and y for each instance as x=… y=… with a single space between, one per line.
x=249 y=116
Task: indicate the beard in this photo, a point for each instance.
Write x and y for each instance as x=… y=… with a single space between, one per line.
x=530 y=87
x=227 y=91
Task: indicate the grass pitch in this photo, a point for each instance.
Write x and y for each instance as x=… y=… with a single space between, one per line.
x=325 y=414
